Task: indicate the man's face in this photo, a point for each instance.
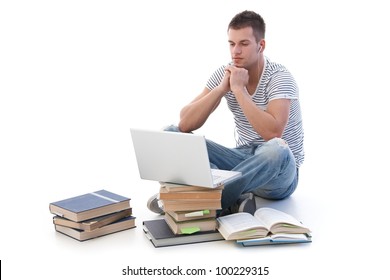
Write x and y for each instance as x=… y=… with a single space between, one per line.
x=243 y=47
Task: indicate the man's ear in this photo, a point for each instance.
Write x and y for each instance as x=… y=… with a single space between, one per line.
x=261 y=45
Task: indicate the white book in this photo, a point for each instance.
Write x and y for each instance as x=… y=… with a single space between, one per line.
x=265 y=222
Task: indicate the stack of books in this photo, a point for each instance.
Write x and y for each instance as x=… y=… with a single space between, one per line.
x=190 y=215
x=190 y=209
x=92 y=215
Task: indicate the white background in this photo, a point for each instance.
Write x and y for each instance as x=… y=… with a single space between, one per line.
x=76 y=75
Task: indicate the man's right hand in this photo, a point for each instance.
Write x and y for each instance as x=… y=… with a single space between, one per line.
x=224 y=86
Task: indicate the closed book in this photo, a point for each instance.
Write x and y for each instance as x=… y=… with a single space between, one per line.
x=192 y=226
x=203 y=194
x=90 y=205
x=94 y=223
x=171 y=187
x=160 y=235
x=82 y=235
x=190 y=205
x=192 y=215
x=277 y=239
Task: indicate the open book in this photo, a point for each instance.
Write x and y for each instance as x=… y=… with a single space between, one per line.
x=265 y=222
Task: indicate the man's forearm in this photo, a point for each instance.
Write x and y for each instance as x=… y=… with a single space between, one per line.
x=268 y=124
x=195 y=114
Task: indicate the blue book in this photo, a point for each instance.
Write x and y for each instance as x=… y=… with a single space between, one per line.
x=94 y=223
x=90 y=205
x=277 y=239
x=82 y=235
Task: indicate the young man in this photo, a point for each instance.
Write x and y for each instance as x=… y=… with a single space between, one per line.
x=263 y=97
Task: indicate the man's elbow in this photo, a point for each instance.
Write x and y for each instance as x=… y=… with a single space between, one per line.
x=271 y=135
x=184 y=126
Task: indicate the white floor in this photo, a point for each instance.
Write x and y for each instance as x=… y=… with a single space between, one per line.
x=76 y=75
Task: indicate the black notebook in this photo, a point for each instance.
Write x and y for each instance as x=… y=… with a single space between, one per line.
x=161 y=235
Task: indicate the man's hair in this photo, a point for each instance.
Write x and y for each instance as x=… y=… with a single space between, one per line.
x=249 y=19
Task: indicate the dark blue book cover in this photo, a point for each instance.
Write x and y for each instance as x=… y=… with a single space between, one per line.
x=89 y=205
x=90 y=201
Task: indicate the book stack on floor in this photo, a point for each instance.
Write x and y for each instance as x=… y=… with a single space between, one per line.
x=190 y=209
x=92 y=215
x=190 y=215
x=267 y=226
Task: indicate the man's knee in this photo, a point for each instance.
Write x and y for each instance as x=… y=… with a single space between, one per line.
x=277 y=143
x=273 y=149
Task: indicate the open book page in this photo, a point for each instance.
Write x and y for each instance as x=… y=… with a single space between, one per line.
x=288 y=236
x=282 y=237
x=279 y=222
x=241 y=226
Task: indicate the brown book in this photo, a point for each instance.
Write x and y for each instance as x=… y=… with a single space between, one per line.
x=81 y=235
x=189 y=227
x=188 y=204
x=94 y=223
x=192 y=215
x=170 y=187
x=200 y=194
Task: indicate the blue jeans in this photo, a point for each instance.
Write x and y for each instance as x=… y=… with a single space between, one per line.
x=268 y=170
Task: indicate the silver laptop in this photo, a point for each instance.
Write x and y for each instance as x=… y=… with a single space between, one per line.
x=179 y=158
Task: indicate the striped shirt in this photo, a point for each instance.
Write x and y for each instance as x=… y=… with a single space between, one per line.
x=276 y=82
